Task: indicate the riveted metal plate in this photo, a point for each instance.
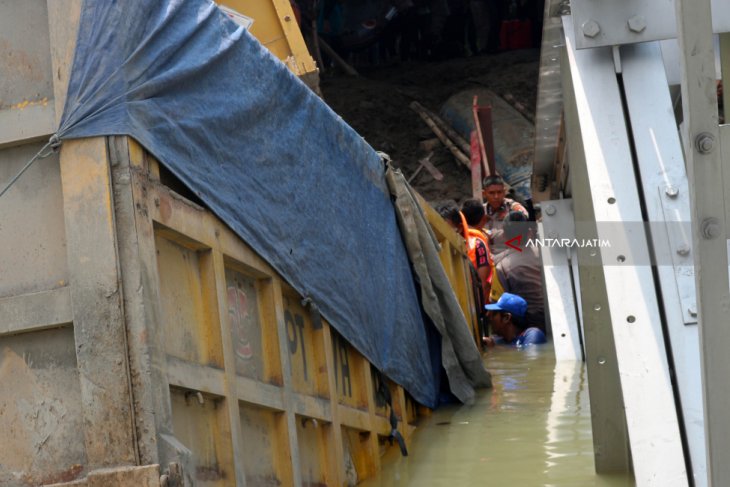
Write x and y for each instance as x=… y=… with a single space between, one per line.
x=620 y=21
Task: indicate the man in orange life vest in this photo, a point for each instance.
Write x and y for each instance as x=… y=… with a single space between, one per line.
x=476 y=239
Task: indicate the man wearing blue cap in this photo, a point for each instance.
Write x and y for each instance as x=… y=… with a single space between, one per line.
x=507 y=319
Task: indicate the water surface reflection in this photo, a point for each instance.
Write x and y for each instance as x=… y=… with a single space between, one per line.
x=532 y=429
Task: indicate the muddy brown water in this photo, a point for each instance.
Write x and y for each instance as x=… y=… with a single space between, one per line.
x=532 y=429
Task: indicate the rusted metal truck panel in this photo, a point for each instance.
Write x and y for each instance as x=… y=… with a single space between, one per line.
x=175 y=343
x=141 y=341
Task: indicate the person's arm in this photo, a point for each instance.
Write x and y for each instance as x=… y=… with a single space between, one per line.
x=484 y=269
x=515 y=206
x=484 y=273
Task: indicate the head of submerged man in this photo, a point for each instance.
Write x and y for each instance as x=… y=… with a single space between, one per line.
x=493 y=191
x=507 y=316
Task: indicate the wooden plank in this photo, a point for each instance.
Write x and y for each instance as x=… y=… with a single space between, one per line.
x=146 y=476
x=283 y=460
x=36 y=311
x=101 y=341
x=313 y=435
x=247 y=332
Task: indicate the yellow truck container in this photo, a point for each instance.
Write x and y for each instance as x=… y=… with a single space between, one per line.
x=142 y=343
x=275 y=26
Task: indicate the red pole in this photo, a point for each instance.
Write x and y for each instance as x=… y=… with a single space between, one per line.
x=476 y=167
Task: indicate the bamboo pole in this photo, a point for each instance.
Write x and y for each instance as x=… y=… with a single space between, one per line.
x=455 y=151
x=443 y=125
x=336 y=57
x=509 y=98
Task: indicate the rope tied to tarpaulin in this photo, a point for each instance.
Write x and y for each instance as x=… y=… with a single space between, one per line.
x=52 y=146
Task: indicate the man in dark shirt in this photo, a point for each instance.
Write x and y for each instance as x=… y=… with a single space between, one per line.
x=519 y=270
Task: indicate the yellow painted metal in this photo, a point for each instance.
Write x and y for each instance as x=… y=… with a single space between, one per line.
x=225 y=358
x=306 y=347
x=187 y=306
x=275 y=26
x=276 y=373
x=456 y=264
x=199 y=421
x=262 y=442
x=348 y=364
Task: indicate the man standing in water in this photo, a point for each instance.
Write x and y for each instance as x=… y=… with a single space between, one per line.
x=507 y=320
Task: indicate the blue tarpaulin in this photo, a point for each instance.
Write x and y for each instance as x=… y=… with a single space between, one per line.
x=266 y=155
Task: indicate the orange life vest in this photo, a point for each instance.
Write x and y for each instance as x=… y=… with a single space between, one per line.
x=471 y=235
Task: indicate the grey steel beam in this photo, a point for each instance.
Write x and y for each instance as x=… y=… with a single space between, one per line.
x=709 y=226
x=610 y=434
x=600 y=23
x=549 y=105
x=666 y=199
x=651 y=416
x=558 y=222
